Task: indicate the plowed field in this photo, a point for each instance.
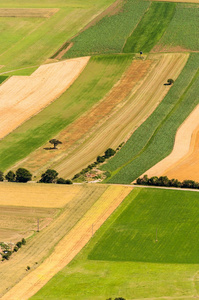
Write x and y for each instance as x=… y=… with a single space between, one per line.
x=23 y=97
x=183 y=162
x=72 y=242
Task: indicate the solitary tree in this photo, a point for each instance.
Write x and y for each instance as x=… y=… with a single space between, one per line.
x=55 y=142
x=170 y=81
x=49 y=176
x=23 y=175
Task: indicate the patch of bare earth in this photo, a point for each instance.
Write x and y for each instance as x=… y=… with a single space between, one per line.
x=28 y=12
x=71 y=243
x=21 y=97
x=183 y=162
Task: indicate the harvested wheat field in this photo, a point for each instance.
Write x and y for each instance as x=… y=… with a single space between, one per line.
x=107 y=199
x=24 y=96
x=183 y=161
x=28 y=12
x=37 y=195
x=108 y=124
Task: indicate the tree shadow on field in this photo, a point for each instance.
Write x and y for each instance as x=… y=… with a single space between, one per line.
x=50 y=148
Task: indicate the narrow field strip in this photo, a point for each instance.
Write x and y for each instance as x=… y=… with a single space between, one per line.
x=71 y=244
x=82 y=126
x=28 y=12
x=37 y=195
x=23 y=97
x=150 y=28
x=150 y=143
x=185 y=146
x=139 y=106
x=42 y=244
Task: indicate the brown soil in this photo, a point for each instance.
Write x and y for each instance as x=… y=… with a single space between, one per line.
x=71 y=243
x=28 y=12
x=24 y=96
x=84 y=124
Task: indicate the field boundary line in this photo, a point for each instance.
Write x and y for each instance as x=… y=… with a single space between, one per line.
x=70 y=245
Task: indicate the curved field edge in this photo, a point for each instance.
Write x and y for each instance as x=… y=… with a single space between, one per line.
x=185 y=148
x=71 y=243
x=22 y=97
x=100 y=279
x=99 y=76
x=150 y=28
x=154 y=139
x=98 y=39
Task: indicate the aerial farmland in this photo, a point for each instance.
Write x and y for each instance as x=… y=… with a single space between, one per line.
x=99 y=180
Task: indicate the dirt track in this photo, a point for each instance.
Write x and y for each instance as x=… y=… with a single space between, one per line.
x=28 y=12
x=183 y=161
x=21 y=97
x=70 y=245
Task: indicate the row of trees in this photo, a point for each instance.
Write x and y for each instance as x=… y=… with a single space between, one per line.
x=7 y=251
x=165 y=181
x=23 y=175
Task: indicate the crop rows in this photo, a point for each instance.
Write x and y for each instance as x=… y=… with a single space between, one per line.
x=154 y=139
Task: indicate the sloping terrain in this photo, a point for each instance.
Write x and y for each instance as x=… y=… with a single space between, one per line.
x=23 y=97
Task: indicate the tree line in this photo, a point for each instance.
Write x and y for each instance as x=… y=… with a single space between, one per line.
x=165 y=181
x=23 y=175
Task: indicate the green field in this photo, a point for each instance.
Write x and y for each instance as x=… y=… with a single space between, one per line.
x=124 y=259
x=154 y=139
x=94 y=82
x=183 y=29
x=150 y=28
x=2 y=78
x=109 y=35
x=26 y=42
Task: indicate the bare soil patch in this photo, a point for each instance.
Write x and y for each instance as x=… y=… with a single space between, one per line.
x=42 y=244
x=28 y=12
x=160 y=48
x=24 y=96
x=71 y=244
x=183 y=161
